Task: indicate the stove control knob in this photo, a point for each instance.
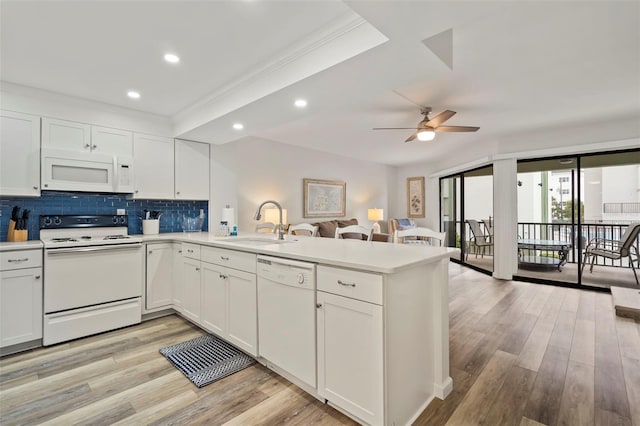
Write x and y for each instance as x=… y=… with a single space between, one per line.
x=57 y=221
x=47 y=220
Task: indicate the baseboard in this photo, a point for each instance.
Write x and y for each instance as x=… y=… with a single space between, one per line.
x=20 y=347
x=417 y=414
x=443 y=390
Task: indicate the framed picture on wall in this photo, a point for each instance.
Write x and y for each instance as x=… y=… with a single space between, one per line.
x=415 y=196
x=324 y=198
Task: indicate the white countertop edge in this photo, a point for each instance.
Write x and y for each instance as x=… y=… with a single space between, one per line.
x=280 y=250
x=20 y=245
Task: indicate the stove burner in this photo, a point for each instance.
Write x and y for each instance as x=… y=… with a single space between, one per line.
x=116 y=237
x=63 y=240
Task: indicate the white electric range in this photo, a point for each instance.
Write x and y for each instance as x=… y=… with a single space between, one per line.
x=93 y=275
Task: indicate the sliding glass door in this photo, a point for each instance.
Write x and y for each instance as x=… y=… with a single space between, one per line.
x=466 y=216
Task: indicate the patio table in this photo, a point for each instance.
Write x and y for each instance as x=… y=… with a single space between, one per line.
x=544 y=262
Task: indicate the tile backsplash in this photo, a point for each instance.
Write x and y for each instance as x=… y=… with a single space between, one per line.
x=55 y=202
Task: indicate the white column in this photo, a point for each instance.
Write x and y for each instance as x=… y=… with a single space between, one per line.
x=505 y=213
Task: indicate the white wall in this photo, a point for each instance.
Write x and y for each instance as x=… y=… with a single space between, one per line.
x=398 y=207
x=250 y=171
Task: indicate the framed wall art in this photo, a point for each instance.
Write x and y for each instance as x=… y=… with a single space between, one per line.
x=324 y=198
x=415 y=196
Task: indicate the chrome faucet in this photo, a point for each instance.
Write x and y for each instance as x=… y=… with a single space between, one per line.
x=258 y=216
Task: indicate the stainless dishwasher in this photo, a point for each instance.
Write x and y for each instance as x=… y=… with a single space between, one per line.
x=287 y=316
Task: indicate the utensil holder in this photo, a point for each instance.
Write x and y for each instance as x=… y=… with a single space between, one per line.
x=151 y=226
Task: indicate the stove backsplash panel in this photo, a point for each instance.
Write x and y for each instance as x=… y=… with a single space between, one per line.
x=56 y=202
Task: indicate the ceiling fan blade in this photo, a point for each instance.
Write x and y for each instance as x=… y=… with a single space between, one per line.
x=440 y=118
x=394 y=128
x=412 y=137
x=456 y=129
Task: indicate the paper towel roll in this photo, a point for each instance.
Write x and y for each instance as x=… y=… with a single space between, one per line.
x=229 y=216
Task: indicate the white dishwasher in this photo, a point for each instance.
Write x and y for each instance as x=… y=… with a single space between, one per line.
x=287 y=316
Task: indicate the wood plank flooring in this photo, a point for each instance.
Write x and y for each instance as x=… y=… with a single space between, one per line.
x=521 y=354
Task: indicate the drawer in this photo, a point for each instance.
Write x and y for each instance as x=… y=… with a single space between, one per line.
x=20 y=259
x=230 y=258
x=354 y=284
x=191 y=250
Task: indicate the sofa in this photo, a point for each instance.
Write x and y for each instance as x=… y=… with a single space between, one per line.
x=327 y=229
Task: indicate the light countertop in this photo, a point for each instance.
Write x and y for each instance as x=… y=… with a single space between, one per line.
x=22 y=245
x=371 y=256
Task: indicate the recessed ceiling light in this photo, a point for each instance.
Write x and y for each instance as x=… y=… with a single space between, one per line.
x=300 y=103
x=238 y=126
x=171 y=58
x=133 y=94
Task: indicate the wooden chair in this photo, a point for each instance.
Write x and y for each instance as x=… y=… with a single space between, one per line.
x=615 y=249
x=266 y=228
x=418 y=235
x=365 y=233
x=303 y=229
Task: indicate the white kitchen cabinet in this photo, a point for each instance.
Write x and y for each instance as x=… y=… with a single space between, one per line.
x=20 y=297
x=81 y=137
x=214 y=299
x=350 y=351
x=153 y=157
x=159 y=279
x=19 y=154
x=178 y=276
x=229 y=297
x=67 y=135
x=191 y=170
x=191 y=289
x=111 y=141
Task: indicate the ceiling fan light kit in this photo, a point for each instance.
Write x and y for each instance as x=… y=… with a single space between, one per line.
x=427 y=127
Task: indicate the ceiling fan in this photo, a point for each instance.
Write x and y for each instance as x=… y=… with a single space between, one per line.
x=427 y=128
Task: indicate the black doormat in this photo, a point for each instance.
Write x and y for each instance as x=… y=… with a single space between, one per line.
x=206 y=359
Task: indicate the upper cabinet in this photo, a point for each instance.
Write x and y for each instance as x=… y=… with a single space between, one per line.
x=80 y=137
x=19 y=154
x=191 y=170
x=153 y=157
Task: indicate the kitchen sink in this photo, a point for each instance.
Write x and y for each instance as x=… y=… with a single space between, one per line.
x=257 y=241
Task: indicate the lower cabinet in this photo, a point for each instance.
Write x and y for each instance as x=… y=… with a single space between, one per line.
x=159 y=289
x=20 y=306
x=350 y=355
x=229 y=305
x=191 y=289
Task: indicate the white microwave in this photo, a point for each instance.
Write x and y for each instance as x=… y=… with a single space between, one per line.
x=76 y=171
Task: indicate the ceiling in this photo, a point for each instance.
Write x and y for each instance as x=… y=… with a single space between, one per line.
x=516 y=67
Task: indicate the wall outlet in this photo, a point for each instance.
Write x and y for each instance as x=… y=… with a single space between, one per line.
x=121 y=212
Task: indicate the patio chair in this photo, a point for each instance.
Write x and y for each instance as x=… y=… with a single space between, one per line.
x=479 y=239
x=615 y=249
x=410 y=236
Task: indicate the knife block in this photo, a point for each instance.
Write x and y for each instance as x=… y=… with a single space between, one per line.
x=14 y=235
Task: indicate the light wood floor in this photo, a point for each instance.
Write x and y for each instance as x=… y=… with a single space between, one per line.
x=520 y=353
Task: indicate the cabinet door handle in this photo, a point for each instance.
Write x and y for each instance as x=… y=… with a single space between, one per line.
x=150 y=251
x=189 y=251
x=318 y=305
x=178 y=193
x=224 y=258
x=137 y=191
x=179 y=251
x=87 y=145
x=37 y=277
x=35 y=187
x=197 y=269
x=346 y=284
x=94 y=146
x=224 y=277
x=18 y=260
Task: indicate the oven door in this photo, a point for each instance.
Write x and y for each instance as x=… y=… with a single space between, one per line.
x=84 y=276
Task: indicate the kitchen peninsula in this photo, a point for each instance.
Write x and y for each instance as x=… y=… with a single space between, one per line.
x=382 y=313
